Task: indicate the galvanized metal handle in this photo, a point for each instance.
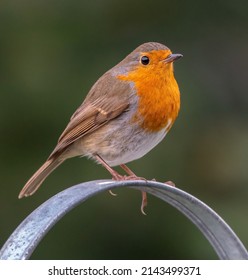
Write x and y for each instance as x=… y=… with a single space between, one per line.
x=29 y=233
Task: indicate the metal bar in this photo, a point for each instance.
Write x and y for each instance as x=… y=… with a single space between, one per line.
x=29 y=233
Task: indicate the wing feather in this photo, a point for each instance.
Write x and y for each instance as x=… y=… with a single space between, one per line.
x=95 y=111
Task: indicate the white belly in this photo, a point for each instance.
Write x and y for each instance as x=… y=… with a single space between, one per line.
x=124 y=144
x=145 y=144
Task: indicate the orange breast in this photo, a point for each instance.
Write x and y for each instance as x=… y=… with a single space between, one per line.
x=159 y=96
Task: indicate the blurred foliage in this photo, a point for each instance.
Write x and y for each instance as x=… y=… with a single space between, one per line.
x=51 y=52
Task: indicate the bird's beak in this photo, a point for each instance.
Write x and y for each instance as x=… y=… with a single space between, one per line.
x=172 y=57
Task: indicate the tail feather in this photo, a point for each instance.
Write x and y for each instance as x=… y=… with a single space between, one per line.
x=39 y=176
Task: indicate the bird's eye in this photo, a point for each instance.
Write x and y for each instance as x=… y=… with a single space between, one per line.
x=145 y=60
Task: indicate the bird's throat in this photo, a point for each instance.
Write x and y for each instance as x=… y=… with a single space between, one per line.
x=159 y=101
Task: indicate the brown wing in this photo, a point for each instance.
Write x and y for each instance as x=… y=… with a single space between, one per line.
x=107 y=99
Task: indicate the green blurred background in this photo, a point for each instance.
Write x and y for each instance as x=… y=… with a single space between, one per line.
x=51 y=52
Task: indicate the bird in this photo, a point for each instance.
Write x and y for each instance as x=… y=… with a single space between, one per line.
x=125 y=114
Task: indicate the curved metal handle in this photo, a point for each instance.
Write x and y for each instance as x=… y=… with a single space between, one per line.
x=29 y=233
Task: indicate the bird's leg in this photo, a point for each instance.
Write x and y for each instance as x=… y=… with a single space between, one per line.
x=132 y=176
x=118 y=177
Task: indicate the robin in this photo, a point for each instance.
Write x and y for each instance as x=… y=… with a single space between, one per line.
x=126 y=113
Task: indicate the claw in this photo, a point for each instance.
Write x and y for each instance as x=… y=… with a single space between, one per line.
x=143 y=203
x=170 y=183
x=112 y=193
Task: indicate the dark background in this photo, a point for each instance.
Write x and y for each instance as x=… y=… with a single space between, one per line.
x=51 y=53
